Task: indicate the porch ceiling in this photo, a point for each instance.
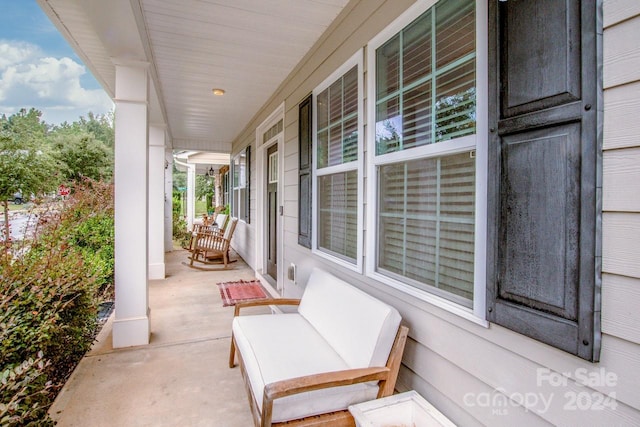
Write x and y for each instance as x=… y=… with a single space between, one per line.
x=246 y=47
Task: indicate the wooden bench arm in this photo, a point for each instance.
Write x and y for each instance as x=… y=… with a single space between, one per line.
x=262 y=302
x=291 y=386
x=307 y=383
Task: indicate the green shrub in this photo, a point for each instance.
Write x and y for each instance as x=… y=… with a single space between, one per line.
x=180 y=233
x=49 y=297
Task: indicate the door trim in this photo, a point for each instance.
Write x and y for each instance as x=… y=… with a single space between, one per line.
x=261 y=202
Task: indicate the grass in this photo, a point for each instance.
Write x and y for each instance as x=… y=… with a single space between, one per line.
x=201 y=208
x=13 y=207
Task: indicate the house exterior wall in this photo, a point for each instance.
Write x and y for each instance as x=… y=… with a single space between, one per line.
x=243 y=240
x=480 y=375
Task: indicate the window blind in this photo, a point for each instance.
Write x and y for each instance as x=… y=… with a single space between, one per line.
x=337 y=185
x=426 y=222
x=337 y=121
x=338 y=214
x=413 y=84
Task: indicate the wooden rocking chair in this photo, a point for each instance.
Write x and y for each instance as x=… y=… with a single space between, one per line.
x=197 y=228
x=211 y=245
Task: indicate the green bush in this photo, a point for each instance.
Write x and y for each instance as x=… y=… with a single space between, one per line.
x=50 y=289
x=180 y=233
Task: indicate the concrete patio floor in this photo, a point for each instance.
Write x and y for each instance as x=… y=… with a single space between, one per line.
x=181 y=378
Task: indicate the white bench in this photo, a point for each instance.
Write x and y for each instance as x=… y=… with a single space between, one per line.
x=341 y=347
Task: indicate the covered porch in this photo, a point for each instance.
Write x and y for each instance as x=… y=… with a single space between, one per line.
x=186 y=78
x=180 y=378
x=529 y=268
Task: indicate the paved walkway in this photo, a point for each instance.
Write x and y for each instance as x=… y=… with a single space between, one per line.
x=181 y=378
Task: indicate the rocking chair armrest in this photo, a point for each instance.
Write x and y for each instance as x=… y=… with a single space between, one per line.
x=216 y=232
x=213 y=233
x=263 y=302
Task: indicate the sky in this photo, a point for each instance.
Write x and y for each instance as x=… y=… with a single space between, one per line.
x=38 y=68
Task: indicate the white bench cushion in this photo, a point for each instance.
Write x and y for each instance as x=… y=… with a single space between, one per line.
x=359 y=327
x=285 y=346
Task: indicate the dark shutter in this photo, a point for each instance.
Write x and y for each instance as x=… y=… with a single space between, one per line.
x=543 y=250
x=305 y=153
x=247 y=194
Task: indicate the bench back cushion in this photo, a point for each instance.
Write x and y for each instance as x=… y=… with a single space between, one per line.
x=359 y=327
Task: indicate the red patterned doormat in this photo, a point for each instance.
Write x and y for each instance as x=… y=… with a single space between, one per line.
x=240 y=291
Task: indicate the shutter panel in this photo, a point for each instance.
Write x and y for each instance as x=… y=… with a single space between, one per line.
x=543 y=246
x=304 y=172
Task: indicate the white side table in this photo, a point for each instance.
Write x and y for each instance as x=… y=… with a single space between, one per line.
x=400 y=410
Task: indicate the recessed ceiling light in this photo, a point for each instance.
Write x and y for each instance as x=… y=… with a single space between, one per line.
x=218 y=92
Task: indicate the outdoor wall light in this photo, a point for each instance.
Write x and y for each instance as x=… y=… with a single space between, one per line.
x=217 y=91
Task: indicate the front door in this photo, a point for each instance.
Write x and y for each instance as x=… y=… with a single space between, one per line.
x=272 y=213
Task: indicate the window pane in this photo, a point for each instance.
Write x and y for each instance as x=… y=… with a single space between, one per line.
x=350 y=140
x=337 y=132
x=456 y=102
x=235 y=207
x=322 y=106
x=416 y=49
x=236 y=172
x=455 y=31
x=351 y=92
x=428 y=83
x=388 y=68
x=335 y=101
x=388 y=126
x=426 y=223
x=416 y=117
x=335 y=145
x=323 y=155
x=337 y=211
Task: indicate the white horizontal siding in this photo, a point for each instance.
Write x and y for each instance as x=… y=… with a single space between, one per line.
x=621 y=243
x=621 y=180
x=622 y=109
x=620 y=302
x=616 y=11
x=621 y=193
x=622 y=53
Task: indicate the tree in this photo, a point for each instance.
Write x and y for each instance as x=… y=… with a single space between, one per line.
x=24 y=163
x=204 y=189
x=26 y=125
x=85 y=148
x=101 y=126
x=80 y=154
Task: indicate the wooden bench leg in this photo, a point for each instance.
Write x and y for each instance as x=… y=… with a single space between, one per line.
x=232 y=353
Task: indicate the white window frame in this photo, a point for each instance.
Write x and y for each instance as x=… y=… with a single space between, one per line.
x=357 y=165
x=235 y=190
x=477 y=142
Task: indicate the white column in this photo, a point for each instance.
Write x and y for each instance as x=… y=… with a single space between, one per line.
x=156 y=202
x=191 y=195
x=131 y=324
x=168 y=201
x=217 y=189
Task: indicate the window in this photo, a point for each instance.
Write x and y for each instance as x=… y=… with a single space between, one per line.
x=423 y=155
x=337 y=188
x=225 y=187
x=241 y=179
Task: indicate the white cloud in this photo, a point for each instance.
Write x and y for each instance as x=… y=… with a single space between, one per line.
x=28 y=78
x=15 y=53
